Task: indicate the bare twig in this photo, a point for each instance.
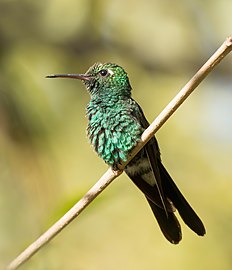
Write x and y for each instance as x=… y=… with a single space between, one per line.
x=110 y=175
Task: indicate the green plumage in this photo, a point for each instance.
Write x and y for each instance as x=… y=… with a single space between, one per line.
x=111 y=129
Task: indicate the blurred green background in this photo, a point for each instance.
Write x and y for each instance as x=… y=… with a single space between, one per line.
x=46 y=162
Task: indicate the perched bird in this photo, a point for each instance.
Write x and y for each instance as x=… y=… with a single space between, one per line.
x=116 y=123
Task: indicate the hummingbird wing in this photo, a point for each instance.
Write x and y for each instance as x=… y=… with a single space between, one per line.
x=161 y=192
x=152 y=155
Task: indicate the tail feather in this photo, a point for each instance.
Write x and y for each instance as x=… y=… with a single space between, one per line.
x=169 y=225
x=185 y=210
x=173 y=199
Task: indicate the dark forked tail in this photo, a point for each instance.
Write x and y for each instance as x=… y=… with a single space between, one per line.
x=173 y=198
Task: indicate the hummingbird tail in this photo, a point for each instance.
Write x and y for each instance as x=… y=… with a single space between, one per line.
x=173 y=199
x=185 y=210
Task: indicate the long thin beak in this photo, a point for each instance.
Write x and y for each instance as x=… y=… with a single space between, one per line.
x=84 y=77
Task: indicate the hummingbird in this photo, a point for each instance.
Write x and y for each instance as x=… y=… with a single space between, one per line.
x=115 y=124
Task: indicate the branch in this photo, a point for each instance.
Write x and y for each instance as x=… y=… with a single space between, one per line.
x=110 y=175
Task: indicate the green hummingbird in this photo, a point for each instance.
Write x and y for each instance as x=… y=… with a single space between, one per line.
x=115 y=125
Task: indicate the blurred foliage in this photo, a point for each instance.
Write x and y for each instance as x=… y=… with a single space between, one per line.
x=45 y=158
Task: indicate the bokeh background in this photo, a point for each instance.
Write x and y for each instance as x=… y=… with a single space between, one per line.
x=46 y=162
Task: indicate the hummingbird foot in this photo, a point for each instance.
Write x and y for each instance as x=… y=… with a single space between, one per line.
x=117 y=172
x=116 y=169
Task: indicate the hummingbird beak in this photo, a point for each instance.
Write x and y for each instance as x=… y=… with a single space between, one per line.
x=83 y=77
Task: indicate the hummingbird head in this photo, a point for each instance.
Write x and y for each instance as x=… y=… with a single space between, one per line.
x=103 y=79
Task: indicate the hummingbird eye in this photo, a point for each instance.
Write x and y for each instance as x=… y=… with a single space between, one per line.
x=103 y=72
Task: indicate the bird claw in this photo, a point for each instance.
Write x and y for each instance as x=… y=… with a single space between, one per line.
x=116 y=169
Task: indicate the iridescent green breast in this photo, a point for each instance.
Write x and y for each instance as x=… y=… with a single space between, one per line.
x=112 y=130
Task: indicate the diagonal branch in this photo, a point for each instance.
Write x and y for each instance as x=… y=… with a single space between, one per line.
x=110 y=175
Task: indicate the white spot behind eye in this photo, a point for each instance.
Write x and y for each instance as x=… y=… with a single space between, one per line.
x=110 y=72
